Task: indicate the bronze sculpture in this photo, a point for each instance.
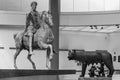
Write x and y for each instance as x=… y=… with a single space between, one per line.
x=92 y=71
x=32 y=24
x=101 y=72
x=42 y=39
x=91 y=57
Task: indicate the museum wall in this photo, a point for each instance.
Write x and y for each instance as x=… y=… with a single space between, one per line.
x=22 y=5
x=114 y=48
x=83 y=40
x=90 y=18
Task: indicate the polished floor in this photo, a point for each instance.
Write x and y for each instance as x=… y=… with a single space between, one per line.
x=75 y=77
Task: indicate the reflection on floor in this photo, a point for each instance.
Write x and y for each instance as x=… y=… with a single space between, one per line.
x=75 y=77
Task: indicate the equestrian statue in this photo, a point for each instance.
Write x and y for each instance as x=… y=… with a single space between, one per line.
x=37 y=35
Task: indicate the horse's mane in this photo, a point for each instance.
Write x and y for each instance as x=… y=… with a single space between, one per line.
x=41 y=16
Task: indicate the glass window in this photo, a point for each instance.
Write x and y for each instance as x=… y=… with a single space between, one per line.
x=66 y=5
x=89 y=5
x=112 y=4
x=96 y=5
x=42 y=5
x=80 y=5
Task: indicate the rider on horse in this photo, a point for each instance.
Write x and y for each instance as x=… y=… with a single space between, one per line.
x=32 y=24
x=39 y=27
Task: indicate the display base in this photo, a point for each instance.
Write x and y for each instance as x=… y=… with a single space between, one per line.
x=23 y=74
x=95 y=78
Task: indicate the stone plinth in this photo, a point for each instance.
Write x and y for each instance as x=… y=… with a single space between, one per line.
x=96 y=78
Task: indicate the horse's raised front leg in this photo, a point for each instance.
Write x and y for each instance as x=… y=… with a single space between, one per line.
x=15 y=57
x=49 y=55
x=51 y=52
x=33 y=64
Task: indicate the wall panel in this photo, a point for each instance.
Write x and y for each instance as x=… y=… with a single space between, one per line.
x=42 y=5
x=90 y=18
x=11 y=5
x=22 y=5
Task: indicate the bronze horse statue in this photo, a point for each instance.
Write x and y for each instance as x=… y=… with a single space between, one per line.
x=42 y=39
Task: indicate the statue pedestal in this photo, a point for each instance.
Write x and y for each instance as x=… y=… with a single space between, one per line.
x=95 y=78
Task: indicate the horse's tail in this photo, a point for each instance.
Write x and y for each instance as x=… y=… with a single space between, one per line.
x=18 y=39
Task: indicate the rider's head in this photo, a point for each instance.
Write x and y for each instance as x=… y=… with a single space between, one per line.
x=34 y=5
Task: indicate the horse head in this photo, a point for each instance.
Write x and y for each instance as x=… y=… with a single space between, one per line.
x=47 y=18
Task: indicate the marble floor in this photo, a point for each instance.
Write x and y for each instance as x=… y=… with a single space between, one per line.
x=75 y=77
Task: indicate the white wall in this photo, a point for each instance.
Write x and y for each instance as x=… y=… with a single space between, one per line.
x=90 y=18
x=83 y=40
x=114 y=46
x=12 y=18
x=23 y=5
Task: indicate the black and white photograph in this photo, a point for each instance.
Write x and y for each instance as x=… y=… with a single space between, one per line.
x=59 y=39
